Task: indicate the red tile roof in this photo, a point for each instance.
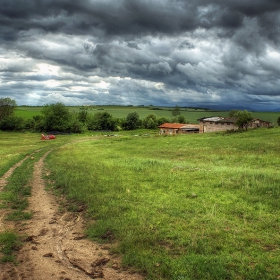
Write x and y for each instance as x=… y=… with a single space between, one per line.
x=172 y=125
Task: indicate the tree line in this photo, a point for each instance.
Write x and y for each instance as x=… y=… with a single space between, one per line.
x=57 y=117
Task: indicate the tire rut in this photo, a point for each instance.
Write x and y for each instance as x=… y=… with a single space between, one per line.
x=3 y=182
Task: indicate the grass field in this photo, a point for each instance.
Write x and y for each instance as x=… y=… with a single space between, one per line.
x=15 y=146
x=191 y=115
x=200 y=206
x=187 y=207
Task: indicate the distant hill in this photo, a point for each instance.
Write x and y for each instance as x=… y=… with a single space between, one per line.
x=226 y=107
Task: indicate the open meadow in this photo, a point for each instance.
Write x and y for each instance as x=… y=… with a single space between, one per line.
x=198 y=206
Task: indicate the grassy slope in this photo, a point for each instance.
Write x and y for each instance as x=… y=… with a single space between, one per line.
x=187 y=207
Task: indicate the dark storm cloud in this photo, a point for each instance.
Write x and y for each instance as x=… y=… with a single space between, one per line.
x=162 y=51
x=134 y=17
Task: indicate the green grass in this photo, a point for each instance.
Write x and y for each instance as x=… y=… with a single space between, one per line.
x=9 y=243
x=27 y=112
x=15 y=146
x=201 y=206
x=15 y=194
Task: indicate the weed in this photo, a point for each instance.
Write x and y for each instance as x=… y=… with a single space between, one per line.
x=9 y=243
x=18 y=215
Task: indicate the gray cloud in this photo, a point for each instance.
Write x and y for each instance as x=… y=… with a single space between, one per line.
x=141 y=52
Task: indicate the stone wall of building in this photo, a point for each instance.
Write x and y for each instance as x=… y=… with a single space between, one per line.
x=259 y=123
x=217 y=126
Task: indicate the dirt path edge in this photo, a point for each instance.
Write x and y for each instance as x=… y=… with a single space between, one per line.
x=55 y=246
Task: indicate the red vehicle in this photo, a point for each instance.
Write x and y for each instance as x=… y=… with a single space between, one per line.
x=47 y=137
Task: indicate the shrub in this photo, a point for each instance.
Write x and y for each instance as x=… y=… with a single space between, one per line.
x=102 y=121
x=12 y=123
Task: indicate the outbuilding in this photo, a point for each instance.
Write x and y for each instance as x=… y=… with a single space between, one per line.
x=212 y=124
x=178 y=128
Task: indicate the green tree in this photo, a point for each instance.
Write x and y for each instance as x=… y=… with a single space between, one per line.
x=179 y=119
x=232 y=113
x=278 y=121
x=132 y=121
x=243 y=118
x=102 y=121
x=162 y=120
x=38 y=122
x=151 y=124
x=29 y=124
x=83 y=116
x=150 y=121
x=76 y=126
x=7 y=107
x=56 y=117
x=182 y=119
x=176 y=111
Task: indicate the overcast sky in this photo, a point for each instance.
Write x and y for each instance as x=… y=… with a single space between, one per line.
x=141 y=52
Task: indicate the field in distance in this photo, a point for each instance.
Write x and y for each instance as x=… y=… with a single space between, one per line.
x=191 y=114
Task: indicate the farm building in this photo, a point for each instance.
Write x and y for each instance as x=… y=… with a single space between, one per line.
x=208 y=124
x=178 y=128
x=212 y=124
x=259 y=123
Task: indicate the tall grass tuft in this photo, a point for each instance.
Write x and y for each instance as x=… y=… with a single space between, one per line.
x=9 y=243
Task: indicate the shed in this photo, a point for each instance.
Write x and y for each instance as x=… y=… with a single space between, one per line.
x=178 y=128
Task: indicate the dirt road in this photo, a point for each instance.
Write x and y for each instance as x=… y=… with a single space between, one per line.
x=55 y=246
